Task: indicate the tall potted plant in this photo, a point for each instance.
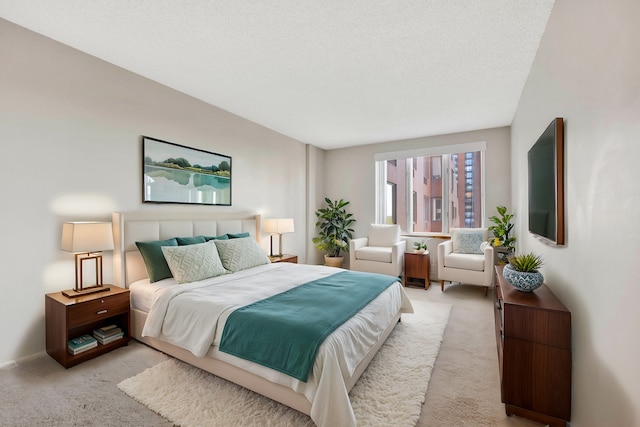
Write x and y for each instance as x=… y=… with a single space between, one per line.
x=502 y=241
x=335 y=224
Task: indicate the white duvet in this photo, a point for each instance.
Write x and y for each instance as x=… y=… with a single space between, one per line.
x=192 y=316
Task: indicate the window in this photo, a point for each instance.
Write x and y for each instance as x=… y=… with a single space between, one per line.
x=431 y=189
x=436 y=211
x=436 y=167
x=391 y=217
x=425 y=212
x=425 y=178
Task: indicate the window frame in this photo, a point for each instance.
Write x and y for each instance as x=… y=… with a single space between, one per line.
x=447 y=175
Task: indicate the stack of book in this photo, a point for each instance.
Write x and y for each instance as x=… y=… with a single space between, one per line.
x=108 y=334
x=80 y=344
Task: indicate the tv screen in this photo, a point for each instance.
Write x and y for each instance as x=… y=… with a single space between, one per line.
x=546 y=184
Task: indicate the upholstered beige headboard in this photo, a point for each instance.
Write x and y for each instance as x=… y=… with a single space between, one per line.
x=142 y=226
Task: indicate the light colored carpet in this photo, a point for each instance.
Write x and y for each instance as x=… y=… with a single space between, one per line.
x=464 y=389
x=389 y=393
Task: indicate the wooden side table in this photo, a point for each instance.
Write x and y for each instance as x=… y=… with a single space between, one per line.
x=284 y=258
x=68 y=318
x=416 y=269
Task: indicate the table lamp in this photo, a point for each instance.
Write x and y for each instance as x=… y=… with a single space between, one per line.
x=87 y=240
x=278 y=227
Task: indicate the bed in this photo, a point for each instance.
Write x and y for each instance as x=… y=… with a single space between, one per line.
x=340 y=360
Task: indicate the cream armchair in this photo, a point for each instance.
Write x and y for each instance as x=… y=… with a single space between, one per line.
x=466 y=258
x=382 y=252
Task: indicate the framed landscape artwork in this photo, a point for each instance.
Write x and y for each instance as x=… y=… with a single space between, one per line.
x=173 y=173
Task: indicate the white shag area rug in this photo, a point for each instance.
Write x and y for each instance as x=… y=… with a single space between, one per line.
x=389 y=393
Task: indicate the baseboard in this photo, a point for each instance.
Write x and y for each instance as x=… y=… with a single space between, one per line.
x=13 y=363
x=8 y=365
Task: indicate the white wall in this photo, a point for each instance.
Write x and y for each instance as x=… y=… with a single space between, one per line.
x=350 y=172
x=315 y=199
x=70 y=127
x=587 y=71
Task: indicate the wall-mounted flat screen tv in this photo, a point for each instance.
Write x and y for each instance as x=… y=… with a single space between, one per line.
x=546 y=184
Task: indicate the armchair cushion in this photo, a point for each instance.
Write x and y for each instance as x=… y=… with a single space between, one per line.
x=473 y=262
x=374 y=253
x=467 y=240
x=383 y=234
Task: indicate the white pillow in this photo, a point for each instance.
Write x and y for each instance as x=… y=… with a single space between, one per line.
x=467 y=241
x=384 y=234
x=191 y=263
x=240 y=254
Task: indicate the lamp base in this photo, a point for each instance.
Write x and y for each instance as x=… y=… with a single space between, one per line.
x=72 y=293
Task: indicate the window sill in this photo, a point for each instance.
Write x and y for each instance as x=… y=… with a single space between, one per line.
x=427 y=235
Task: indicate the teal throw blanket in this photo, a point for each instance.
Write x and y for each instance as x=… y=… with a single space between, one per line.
x=284 y=332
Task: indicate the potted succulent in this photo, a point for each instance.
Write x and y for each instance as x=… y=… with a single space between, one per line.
x=335 y=225
x=522 y=272
x=502 y=241
x=419 y=247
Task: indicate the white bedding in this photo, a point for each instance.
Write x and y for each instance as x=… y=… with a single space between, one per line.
x=192 y=316
x=142 y=292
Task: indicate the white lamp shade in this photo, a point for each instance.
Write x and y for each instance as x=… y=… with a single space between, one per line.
x=87 y=236
x=278 y=226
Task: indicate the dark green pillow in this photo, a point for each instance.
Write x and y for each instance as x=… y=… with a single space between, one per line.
x=222 y=237
x=157 y=267
x=182 y=241
x=238 y=235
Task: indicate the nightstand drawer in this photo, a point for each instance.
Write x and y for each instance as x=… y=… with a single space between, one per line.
x=98 y=309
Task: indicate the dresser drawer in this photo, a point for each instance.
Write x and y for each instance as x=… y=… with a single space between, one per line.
x=98 y=309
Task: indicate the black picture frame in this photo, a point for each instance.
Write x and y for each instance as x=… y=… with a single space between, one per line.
x=174 y=173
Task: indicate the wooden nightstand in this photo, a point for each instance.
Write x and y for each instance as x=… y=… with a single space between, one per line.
x=416 y=269
x=68 y=318
x=284 y=258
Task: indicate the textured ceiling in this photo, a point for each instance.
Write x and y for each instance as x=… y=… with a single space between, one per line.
x=332 y=73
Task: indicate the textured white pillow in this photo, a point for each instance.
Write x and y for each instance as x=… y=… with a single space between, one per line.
x=467 y=241
x=240 y=254
x=191 y=263
x=384 y=234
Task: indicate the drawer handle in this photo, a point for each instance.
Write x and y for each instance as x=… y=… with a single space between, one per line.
x=102 y=312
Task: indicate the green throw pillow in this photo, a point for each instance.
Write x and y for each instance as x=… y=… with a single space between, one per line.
x=191 y=263
x=182 y=241
x=238 y=235
x=154 y=261
x=222 y=237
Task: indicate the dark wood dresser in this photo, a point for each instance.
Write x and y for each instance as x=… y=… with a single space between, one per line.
x=533 y=336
